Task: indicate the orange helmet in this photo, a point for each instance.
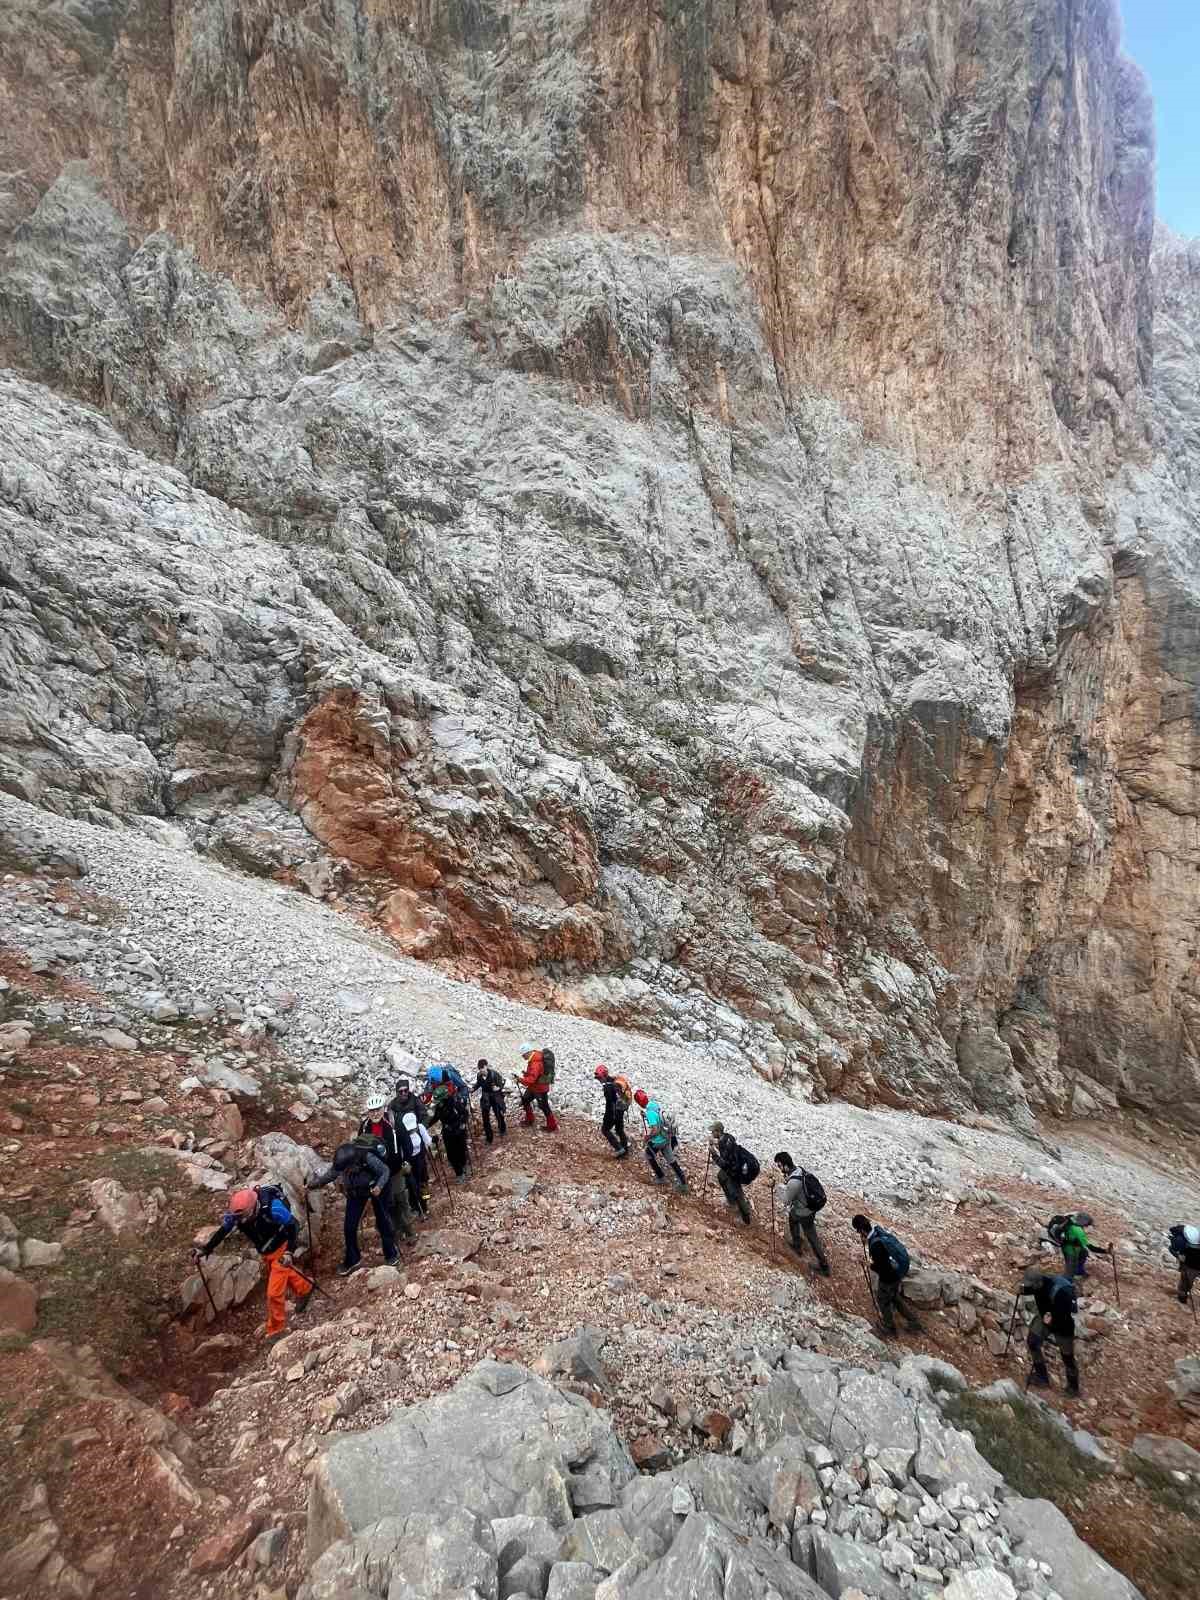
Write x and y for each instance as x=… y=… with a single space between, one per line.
x=642 y=1098
x=602 y=1071
x=243 y=1203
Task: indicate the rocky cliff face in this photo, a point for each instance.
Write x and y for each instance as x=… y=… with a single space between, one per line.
x=692 y=506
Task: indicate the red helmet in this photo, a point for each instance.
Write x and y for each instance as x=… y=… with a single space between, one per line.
x=642 y=1098
x=243 y=1203
x=602 y=1071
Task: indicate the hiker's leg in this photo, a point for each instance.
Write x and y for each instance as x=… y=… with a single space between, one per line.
x=527 y=1108
x=277 y=1284
x=551 y=1119
x=619 y=1130
x=1187 y=1277
x=401 y=1215
x=885 y=1295
x=356 y=1204
x=1066 y=1347
x=727 y=1185
x=906 y=1311
x=607 y=1123
x=680 y=1178
x=1034 y=1342
x=794 y=1231
x=652 y=1159
x=498 y=1108
x=381 y=1205
x=814 y=1243
x=485 y=1111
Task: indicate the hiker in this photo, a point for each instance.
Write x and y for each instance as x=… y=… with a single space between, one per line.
x=262 y=1214
x=889 y=1262
x=415 y=1141
x=537 y=1080
x=451 y=1109
x=407 y=1100
x=662 y=1139
x=407 y=1103
x=803 y=1197
x=363 y=1176
x=736 y=1168
x=617 y=1099
x=378 y=1125
x=440 y=1073
x=1054 y=1297
x=1074 y=1243
x=1183 y=1241
x=489 y=1086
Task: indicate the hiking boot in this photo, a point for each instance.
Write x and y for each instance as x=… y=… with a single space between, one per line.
x=825 y=1270
x=347 y=1267
x=1038 y=1380
x=621 y=1154
x=883 y=1332
x=390 y=1261
x=916 y=1327
x=1073 y=1390
x=551 y=1124
x=301 y=1306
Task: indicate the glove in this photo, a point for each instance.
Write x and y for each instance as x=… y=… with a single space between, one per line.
x=376 y=1190
x=199 y=1253
x=285 y=1259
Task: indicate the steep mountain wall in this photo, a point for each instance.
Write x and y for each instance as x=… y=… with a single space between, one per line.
x=694 y=505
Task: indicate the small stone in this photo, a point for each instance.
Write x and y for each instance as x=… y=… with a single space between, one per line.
x=268 y=1547
x=224 y=1547
x=650 y=1454
x=37 y=1253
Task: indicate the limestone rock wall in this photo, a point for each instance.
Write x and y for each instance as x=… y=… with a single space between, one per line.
x=695 y=505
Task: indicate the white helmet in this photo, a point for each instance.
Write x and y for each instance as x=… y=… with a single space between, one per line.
x=377 y=1100
x=1192 y=1235
x=527 y=1050
x=410 y=1122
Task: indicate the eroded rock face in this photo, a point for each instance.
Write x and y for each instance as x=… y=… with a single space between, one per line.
x=678 y=505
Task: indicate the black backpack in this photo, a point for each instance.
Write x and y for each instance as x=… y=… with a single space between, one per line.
x=747 y=1166
x=814 y=1193
x=1057 y=1226
x=548 y=1068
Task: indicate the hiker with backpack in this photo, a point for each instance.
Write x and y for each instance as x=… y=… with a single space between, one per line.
x=451 y=1109
x=363 y=1177
x=262 y=1215
x=1054 y=1297
x=803 y=1197
x=537 y=1080
x=489 y=1086
x=1069 y=1234
x=415 y=1142
x=662 y=1139
x=889 y=1261
x=377 y=1124
x=736 y=1169
x=1183 y=1241
x=618 y=1096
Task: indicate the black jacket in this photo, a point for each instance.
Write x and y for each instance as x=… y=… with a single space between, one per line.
x=1056 y=1299
x=385 y=1132
x=411 y=1102
x=271 y=1225
x=452 y=1113
x=489 y=1083
x=612 y=1097
x=365 y=1172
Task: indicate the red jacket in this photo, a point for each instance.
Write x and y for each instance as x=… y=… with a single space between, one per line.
x=532 y=1078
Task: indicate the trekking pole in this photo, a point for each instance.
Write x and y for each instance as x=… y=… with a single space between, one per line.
x=311 y=1282
x=867 y=1275
x=1112 y=1256
x=1012 y=1324
x=446 y=1184
x=772 y=1219
x=1192 y=1302
x=707 y=1162
x=213 y=1303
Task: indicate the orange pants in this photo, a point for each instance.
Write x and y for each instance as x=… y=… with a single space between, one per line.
x=279 y=1280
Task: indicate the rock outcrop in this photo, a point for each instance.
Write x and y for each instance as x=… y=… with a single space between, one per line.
x=691 y=510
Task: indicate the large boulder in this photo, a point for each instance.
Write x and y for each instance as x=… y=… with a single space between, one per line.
x=1038 y=1528
x=408 y=1558
x=18 y=1303
x=1171 y=1455
x=282 y=1161
x=708 y=1561
x=502 y=1442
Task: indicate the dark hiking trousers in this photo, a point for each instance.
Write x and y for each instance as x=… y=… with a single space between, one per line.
x=734 y=1193
x=356 y=1203
x=396 y=1195
x=653 y=1155
x=808 y=1227
x=1040 y=1335
x=1187 y=1277
x=890 y=1297
x=492 y=1105
x=418 y=1183
x=455 y=1140
x=613 y=1127
x=542 y=1101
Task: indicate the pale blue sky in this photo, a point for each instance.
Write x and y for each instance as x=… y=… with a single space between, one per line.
x=1163 y=37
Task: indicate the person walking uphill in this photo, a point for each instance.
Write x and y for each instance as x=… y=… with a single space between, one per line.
x=452 y=1110
x=662 y=1139
x=489 y=1086
x=364 y=1177
x=264 y=1217
x=803 y=1197
x=736 y=1168
x=405 y=1105
x=1183 y=1241
x=617 y=1098
x=537 y=1080
x=1054 y=1297
x=889 y=1262
x=378 y=1125
x=1075 y=1245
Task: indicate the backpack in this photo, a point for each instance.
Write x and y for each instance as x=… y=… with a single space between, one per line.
x=445 y=1073
x=624 y=1091
x=1057 y=1226
x=268 y=1194
x=548 y=1067
x=897 y=1253
x=370 y=1145
x=747 y=1166
x=814 y=1193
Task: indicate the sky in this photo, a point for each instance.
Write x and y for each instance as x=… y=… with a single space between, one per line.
x=1163 y=37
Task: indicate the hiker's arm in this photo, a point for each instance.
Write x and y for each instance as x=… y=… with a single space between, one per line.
x=220 y=1234
x=322 y=1178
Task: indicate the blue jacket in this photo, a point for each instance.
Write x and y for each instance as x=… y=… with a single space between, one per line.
x=654 y=1126
x=271 y=1226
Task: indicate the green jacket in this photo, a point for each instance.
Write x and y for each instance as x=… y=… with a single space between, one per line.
x=1075 y=1239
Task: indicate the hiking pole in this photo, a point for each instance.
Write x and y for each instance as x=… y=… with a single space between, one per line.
x=867 y=1275
x=446 y=1183
x=1112 y=1256
x=1011 y=1325
x=311 y=1282
x=772 y=1219
x=213 y=1303
x=707 y=1162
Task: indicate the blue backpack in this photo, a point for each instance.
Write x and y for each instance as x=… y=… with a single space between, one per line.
x=446 y=1074
x=897 y=1253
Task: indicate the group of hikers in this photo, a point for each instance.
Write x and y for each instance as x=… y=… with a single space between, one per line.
x=386 y=1166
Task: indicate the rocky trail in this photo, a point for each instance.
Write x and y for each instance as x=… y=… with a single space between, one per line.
x=169 y=1026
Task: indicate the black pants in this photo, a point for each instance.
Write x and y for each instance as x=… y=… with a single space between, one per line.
x=396 y=1195
x=1040 y=1335
x=613 y=1128
x=807 y=1226
x=734 y=1193
x=890 y=1299
x=455 y=1140
x=529 y=1100
x=357 y=1202
x=1187 y=1277
x=492 y=1105
x=418 y=1183
x=653 y=1156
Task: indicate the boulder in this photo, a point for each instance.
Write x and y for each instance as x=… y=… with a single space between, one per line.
x=502 y=1442
x=18 y=1303
x=408 y=1558
x=241 y=1085
x=216 y=1553
x=1185 y=1385
x=573 y=1580
x=947 y=1456
x=577 y=1356
x=1171 y=1455
x=983 y=1584
x=120 y=1211
x=708 y=1559
x=40 y=1253
x=608 y=1539
x=450 y=1244
x=650 y=1453
x=1040 y=1530
x=840 y=1565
